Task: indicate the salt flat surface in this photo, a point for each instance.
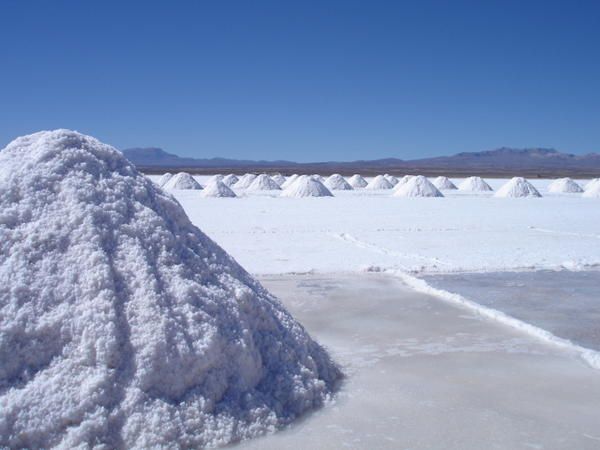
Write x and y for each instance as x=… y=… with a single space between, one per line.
x=423 y=374
x=358 y=229
x=564 y=303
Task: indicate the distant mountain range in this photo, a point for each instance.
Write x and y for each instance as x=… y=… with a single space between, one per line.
x=500 y=162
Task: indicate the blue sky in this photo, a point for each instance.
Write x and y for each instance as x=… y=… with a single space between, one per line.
x=305 y=80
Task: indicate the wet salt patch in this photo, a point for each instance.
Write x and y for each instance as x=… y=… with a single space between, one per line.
x=564 y=303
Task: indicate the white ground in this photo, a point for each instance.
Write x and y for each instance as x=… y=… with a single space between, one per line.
x=359 y=229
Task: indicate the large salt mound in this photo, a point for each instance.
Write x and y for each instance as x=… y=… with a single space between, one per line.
x=564 y=185
x=357 y=182
x=517 y=187
x=122 y=324
x=379 y=182
x=474 y=184
x=263 y=182
x=245 y=181
x=443 y=183
x=230 y=180
x=392 y=179
x=164 y=178
x=418 y=186
x=318 y=177
x=336 y=182
x=182 y=180
x=278 y=178
x=289 y=181
x=306 y=186
x=217 y=188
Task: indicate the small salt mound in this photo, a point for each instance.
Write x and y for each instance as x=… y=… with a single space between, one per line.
x=564 y=185
x=357 y=182
x=592 y=184
x=263 y=182
x=230 y=180
x=278 y=178
x=123 y=325
x=418 y=186
x=518 y=187
x=306 y=186
x=379 y=182
x=402 y=181
x=443 y=183
x=336 y=182
x=182 y=180
x=217 y=188
x=592 y=192
x=217 y=177
x=392 y=179
x=289 y=181
x=244 y=181
x=474 y=184
x=164 y=178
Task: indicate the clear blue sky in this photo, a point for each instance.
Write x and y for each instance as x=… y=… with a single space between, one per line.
x=305 y=80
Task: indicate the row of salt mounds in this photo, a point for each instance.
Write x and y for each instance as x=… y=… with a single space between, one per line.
x=230 y=180
x=123 y=325
x=278 y=178
x=593 y=191
x=392 y=179
x=263 y=182
x=357 y=182
x=164 y=178
x=564 y=185
x=182 y=180
x=444 y=184
x=336 y=182
x=518 y=187
x=379 y=182
x=244 y=181
x=289 y=181
x=474 y=184
x=418 y=186
x=306 y=186
x=217 y=188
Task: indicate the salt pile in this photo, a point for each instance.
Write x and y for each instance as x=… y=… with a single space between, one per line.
x=182 y=180
x=289 y=181
x=592 y=184
x=306 y=186
x=217 y=188
x=402 y=181
x=336 y=182
x=263 y=182
x=379 y=182
x=278 y=178
x=230 y=180
x=517 y=187
x=164 y=178
x=318 y=177
x=564 y=185
x=474 y=184
x=392 y=179
x=245 y=181
x=443 y=183
x=593 y=191
x=357 y=182
x=418 y=186
x=123 y=325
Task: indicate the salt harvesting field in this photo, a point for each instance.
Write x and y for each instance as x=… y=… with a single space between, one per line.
x=459 y=322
